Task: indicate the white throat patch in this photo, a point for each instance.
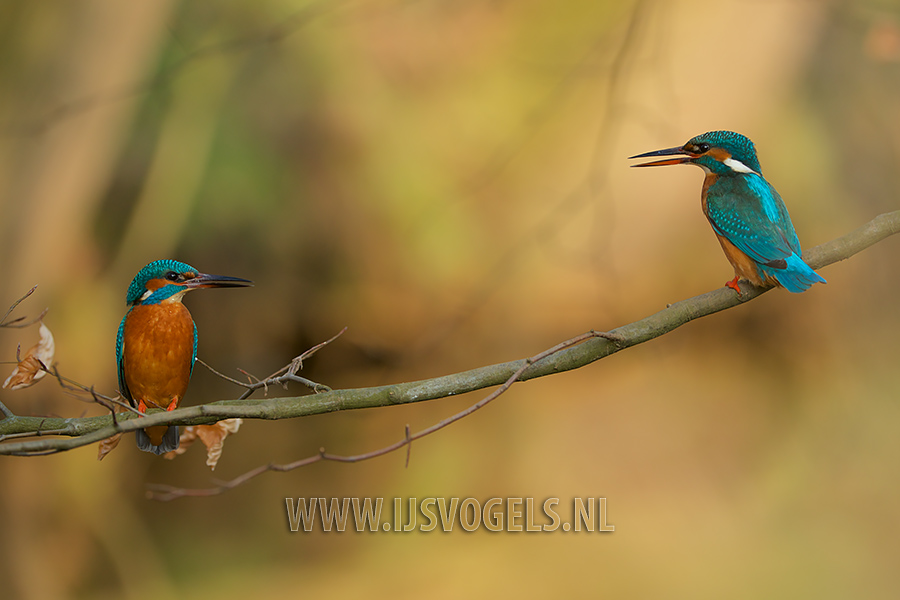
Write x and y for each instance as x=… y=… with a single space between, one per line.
x=177 y=296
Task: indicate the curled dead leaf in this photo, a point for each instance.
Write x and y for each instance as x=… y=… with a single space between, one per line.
x=30 y=369
x=108 y=445
x=213 y=437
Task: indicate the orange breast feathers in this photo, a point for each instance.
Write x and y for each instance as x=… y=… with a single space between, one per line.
x=158 y=349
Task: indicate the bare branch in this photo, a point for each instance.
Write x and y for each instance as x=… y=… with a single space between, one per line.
x=7 y=414
x=88 y=430
x=17 y=323
x=289 y=373
x=165 y=492
x=76 y=388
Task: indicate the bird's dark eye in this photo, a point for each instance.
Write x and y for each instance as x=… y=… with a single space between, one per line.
x=704 y=147
x=173 y=276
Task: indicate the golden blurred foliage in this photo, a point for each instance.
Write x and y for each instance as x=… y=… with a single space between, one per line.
x=448 y=179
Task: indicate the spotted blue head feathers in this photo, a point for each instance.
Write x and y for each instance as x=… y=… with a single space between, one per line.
x=165 y=279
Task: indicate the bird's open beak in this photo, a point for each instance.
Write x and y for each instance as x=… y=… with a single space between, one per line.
x=667 y=161
x=203 y=280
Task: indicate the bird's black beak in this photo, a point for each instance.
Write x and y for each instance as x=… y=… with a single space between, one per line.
x=667 y=161
x=203 y=280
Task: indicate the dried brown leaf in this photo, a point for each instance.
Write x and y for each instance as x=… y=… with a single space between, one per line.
x=108 y=445
x=30 y=370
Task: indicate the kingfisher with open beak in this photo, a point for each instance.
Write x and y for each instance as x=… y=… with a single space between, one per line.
x=746 y=213
x=157 y=343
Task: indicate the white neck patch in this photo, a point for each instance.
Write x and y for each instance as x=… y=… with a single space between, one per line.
x=737 y=166
x=177 y=296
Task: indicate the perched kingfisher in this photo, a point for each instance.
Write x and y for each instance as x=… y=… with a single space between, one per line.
x=157 y=343
x=746 y=213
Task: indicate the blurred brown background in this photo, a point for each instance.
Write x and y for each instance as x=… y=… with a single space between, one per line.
x=449 y=179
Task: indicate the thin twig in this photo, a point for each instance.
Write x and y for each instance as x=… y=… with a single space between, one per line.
x=22 y=325
x=108 y=402
x=283 y=375
x=7 y=414
x=17 y=323
x=75 y=389
x=165 y=492
x=222 y=375
x=408 y=445
x=35 y=433
x=3 y=322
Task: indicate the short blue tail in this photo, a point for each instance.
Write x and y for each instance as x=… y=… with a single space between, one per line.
x=796 y=277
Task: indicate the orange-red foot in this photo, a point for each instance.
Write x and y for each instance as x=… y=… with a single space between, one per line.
x=173 y=404
x=733 y=284
x=142 y=407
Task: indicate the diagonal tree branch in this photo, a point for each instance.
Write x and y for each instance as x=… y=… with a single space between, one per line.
x=88 y=430
x=168 y=492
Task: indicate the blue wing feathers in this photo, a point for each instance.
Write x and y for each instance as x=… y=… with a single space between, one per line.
x=194 y=356
x=751 y=215
x=120 y=362
x=768 y=198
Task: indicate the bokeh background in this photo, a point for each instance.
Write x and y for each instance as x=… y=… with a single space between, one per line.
x=449 y=180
